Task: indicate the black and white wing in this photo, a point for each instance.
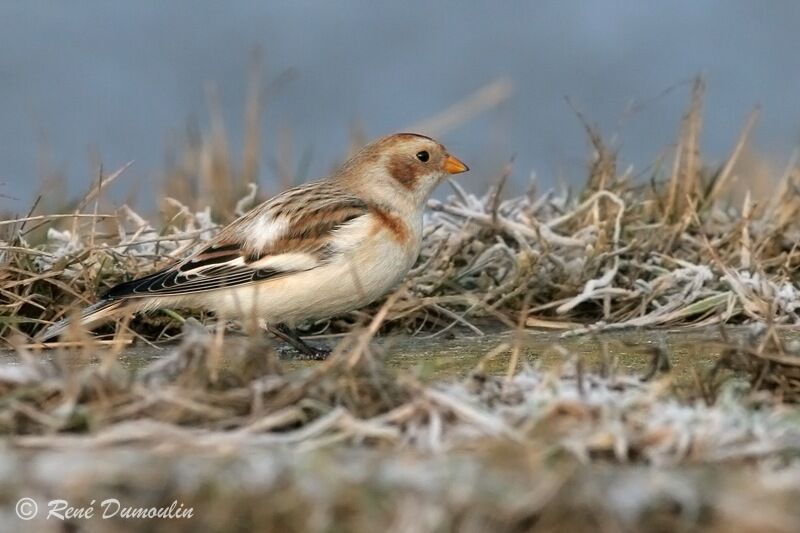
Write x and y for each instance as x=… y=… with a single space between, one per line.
x=295 y=231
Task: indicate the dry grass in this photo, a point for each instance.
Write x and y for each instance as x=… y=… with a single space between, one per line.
x=348 y=444
x=243 y=396
x=619 y=254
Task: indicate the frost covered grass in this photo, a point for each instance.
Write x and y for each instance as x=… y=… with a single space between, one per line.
x=350 y=444
x=620 y=253
x=218 y=394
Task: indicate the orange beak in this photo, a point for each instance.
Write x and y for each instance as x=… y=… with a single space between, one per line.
x=454 y=166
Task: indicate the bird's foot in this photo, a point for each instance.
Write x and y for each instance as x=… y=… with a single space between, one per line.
x=311 y=354
x=307 y=352
x=315 y=353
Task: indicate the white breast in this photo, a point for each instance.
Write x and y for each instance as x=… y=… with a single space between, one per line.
x=372 y=262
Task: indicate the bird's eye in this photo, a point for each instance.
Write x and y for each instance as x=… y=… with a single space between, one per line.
x=423 y=156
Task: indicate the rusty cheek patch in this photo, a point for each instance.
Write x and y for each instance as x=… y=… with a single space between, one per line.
x=404 y=170
x=391 y=222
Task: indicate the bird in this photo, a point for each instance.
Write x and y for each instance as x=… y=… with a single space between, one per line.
x=312 y=252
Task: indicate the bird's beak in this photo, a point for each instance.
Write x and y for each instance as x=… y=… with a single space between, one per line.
x=454 y=166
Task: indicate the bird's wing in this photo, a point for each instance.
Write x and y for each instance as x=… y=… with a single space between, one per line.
x=295 y=231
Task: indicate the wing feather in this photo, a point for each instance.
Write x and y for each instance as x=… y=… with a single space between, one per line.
x=293 y=232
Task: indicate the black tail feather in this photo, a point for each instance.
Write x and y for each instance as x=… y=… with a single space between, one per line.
x=100 y=311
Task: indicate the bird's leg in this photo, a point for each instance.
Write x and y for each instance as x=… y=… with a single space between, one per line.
x=285 y=333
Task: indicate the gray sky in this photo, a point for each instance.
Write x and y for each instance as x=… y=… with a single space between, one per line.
x=120 y=80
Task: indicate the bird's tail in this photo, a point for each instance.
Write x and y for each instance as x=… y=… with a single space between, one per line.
x=98 y=312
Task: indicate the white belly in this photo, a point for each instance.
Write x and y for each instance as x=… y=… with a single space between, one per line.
x=362 y=275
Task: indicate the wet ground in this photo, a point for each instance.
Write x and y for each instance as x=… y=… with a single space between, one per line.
x=436 y=357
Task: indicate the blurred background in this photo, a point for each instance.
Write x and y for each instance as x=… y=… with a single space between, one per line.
x=96 y=82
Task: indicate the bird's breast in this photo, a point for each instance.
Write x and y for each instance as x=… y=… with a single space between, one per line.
x=368 y=261
x=391 y=225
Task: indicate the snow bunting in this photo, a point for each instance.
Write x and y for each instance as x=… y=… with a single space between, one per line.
x=311 y=252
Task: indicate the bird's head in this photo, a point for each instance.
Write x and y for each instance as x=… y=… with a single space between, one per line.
x=403 y=166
